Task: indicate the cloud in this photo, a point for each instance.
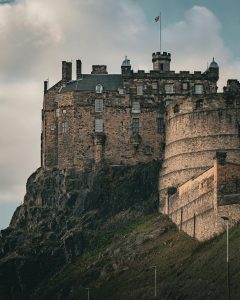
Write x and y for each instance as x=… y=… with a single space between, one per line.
x=37 y=35
x=195 y=40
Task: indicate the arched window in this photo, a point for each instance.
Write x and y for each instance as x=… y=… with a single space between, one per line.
x=99 y=88
x=199 y=103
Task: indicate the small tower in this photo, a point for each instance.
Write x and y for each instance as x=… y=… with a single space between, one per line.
x=126 y=66
x=161 y=61
x=213 y=70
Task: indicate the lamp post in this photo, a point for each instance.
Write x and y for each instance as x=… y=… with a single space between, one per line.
x=88 y=294
x=155 y=281
x=228 y=283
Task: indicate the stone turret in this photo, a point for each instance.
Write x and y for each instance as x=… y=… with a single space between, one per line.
x=126 y=66
x=161 y=61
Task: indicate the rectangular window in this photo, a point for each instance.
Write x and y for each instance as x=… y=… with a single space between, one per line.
x=57 y=112
x=135 y=125
x=198 y=89
x=139 y=90
x=169 y=88
x=64 y=127
x=121 y=91
x=136 y=108
x=184 y=86
x=154 y=85
x=160 y=125
x=64 y=111
x=98 y=105
x=98 y=125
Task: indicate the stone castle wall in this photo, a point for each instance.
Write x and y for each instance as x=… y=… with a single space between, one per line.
x=194 y=134
x=197 y=206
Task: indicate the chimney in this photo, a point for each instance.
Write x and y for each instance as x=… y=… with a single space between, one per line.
x=45 y=86
x=79 y=69
x=66 y=71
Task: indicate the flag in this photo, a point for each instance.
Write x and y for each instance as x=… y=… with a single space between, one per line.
x=157 y=18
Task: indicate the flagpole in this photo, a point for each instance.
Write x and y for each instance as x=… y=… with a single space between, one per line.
x=160 y=37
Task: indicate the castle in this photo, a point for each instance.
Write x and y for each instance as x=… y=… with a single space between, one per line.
x=132 y=117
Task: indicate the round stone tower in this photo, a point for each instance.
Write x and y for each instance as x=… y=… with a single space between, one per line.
x=196 y=127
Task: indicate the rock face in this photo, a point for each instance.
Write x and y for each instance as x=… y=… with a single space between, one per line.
x=62 y=214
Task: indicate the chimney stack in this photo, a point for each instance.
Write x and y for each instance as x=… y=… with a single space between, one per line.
x=45 y=86
x=66 y=71
x=79 y=69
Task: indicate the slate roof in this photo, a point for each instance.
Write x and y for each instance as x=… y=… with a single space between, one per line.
x=110 y=82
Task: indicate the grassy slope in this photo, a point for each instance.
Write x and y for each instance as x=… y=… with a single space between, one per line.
x=120 y=266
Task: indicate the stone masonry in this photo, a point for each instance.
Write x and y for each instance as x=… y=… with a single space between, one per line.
x=132 y=117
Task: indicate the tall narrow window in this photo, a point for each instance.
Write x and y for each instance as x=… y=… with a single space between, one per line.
x=198 y=89
x=136 y=108
x=98 y=125
x=64 y=127
x=98 y=105
x=160 y=125
x=184 y=86
x=135 y=125
x=139 y=90
x=169 y=88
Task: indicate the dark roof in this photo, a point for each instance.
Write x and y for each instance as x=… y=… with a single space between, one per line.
x=89 y=82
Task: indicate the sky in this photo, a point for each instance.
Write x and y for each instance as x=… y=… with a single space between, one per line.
x=36 y=35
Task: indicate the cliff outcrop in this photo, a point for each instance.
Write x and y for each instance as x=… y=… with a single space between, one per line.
x=64 y=212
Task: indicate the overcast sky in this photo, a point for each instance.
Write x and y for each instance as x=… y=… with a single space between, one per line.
x=36 y=35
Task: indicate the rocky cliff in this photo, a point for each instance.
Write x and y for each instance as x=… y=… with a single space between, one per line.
x=64 y=216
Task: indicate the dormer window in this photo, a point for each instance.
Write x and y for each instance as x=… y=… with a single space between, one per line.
x=98 y=105
x=99 y=89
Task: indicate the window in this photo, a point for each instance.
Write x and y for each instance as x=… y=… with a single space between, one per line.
x=198 y=89
x=160 y=125
x=148 y=150
x=139 y=90
x=99 y=89
x=135 y=125
x=64 y=111
x=136 y=107
x=121 y=91
x=57 y=112
x=199 y=103
x=98 y=105
x=169 y=88
x=64 y=127
x=98 y=125
x=161 y=67
x=176 y=108
x=52 y=127
x=184 y=86
x=154 y=85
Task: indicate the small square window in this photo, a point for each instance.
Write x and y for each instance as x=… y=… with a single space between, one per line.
x=98 y=125
x=154 y=85
x=136 y=108
x=199 y=103
x=53 y=127
x=64 y=111
x=148 y=150
x=198 y=89
x=121 y=91
x=139 y=90
x=135 y=125
x=169 y=88
x=98 y=105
